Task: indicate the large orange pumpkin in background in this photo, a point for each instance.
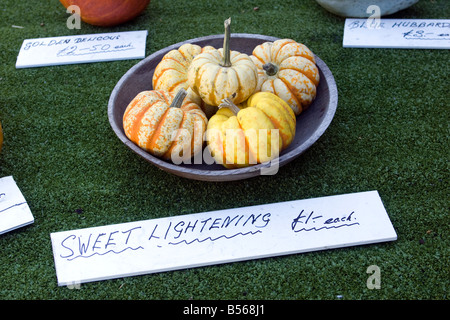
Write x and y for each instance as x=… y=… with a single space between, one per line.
x=107 y=13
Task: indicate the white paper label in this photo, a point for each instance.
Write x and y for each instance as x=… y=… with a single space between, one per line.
x=216 y=237
x=14 y=210
x=82 y=49
x=397 y=33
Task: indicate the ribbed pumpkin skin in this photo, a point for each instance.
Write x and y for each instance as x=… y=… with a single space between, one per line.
x=214 y=82
x=296 y=77
x=107 y=13
x=171 y=72
x=151 y=123
x=261 y=113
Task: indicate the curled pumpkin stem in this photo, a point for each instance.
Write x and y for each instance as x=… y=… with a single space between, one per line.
x=226 y=44
x=179 y=98
x=228 y=103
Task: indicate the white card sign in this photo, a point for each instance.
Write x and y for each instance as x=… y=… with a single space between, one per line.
x=82 y=49
x=216 y=237
x=14 y=210
x=397 y=33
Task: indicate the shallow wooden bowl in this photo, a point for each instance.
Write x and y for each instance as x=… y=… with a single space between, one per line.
x=311 y=124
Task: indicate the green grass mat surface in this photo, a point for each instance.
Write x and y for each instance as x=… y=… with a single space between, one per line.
x=390 y=133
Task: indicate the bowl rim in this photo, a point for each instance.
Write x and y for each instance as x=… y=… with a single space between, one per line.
x=224 y=174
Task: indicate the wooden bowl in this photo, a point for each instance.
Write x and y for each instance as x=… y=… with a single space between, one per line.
x=311 y=123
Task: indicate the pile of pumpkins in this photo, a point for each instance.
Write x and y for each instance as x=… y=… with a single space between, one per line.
x=227 y=97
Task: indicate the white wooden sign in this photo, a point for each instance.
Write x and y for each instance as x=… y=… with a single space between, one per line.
x=216 y=237
x=397 y=33
x=14 y=210
x=82 y=49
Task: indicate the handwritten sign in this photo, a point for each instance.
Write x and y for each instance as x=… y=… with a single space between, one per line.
x=397 y=33
x=14 y=210
x=82 y=49
x=216 y=237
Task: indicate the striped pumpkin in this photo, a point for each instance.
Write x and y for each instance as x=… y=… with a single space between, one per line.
x=223 y=73
x=171 y=72
x=166 y=125
x=287 y=69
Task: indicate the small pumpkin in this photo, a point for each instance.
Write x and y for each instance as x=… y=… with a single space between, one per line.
x=288 y=69
x=166 y=125
x=107 y=13
x=171 y=72
x=255 y=133
x=220 y=73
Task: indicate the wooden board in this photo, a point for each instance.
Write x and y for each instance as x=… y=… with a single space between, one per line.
x=88 y=48
x=14 y=210
x=217 y=237
x=397 y=33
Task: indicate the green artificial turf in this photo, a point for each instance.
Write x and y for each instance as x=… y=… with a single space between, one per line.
x=390 y=133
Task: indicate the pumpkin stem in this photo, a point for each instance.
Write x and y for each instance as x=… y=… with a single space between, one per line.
x=226 y=44
x=179 y=98
x=227 y=103
x=270 y=69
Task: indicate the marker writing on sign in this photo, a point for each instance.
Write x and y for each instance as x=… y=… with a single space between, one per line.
x=95 y=49
x=362 y=24
x=314 y=222
x=423 y=35
x=179 y=232
x=101 y=243
x=61 y=41
x=3 y=197
x=212 y=228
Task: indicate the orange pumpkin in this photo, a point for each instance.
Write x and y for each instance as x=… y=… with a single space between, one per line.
x=166 y=125
x=107 y=13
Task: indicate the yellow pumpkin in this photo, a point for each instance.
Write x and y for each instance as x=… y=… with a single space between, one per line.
x=255 y=133
x=166 y=125
x=221 y=73
x=171 y=72
x=287 y=69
